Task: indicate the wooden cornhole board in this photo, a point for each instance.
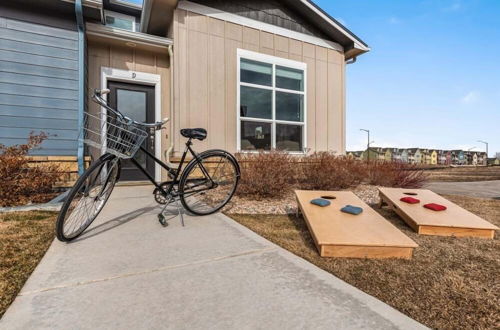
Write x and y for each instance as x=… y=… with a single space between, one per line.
x=454 y=221
x=338 y=234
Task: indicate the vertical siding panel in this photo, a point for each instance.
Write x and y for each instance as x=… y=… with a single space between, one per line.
x=198 y=81
x=325 y=80
x=216 y=71
x=334 y=108
x=144 y=61
x=182 y=81
x=321 y=105
x=122 y=58
x=266 y=43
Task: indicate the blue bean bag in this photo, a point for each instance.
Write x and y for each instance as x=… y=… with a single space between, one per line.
x=351 y=209
x=320 y=202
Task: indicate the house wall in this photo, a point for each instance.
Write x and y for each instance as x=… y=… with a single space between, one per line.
x=205 y=89
x=103 y=54
x=38 y=80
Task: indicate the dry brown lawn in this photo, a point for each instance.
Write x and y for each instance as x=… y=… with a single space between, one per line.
x=464 y=174
x=451 y=283
x=24 y=239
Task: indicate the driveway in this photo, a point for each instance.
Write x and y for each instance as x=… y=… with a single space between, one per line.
x=128 y=272
x=482 y=189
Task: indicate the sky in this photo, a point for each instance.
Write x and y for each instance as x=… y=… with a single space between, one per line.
x=432 y=77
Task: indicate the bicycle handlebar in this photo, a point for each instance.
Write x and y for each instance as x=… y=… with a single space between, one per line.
x=97 y=97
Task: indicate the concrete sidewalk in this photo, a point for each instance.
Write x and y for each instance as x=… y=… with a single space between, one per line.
x=128 y=272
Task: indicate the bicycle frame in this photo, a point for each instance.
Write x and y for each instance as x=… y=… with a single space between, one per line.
x=175 y=173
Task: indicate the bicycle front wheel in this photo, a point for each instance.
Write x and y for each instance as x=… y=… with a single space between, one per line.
x=209 y=182
x=87 y=197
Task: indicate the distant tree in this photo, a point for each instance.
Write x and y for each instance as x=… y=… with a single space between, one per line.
x=497 y=155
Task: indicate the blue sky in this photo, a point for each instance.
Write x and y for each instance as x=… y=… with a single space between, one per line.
x=432 y=78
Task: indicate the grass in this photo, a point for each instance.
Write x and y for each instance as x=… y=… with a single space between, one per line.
x=451 y=283
x=24 y=239
x=465 y=174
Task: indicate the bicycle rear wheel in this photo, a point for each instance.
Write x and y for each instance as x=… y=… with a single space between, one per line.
x=87 y=197
x=209 y=182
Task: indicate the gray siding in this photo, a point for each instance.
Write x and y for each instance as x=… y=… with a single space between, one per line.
x=267 y=11
x=38 y=85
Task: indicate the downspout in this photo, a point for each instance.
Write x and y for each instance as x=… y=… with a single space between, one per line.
x=172 y=134
x=351 y=61
x=81 y=78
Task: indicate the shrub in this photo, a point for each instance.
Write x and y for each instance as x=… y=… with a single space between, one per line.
x=395 y=174
x=266 y=174
x=326 y=171
x=22 y=183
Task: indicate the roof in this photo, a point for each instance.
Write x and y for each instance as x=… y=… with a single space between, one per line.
x=330 y=26
x=157 y=15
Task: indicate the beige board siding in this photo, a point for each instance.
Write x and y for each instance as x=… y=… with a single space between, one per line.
x=205 y=76
x=101 y=54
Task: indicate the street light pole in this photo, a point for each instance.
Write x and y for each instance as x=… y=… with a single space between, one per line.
x=368 y=144
x=486 y=143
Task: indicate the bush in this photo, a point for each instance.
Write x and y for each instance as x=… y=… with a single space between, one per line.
x=22 y=183
x=266 y=174
x=395 y=174
x=326 y=171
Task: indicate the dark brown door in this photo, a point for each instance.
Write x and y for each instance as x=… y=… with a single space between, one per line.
x=137 y=102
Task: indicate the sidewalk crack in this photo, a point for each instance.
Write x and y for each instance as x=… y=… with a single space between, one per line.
x=149 y=271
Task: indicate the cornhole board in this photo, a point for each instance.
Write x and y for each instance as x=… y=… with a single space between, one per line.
x=454 y=221
x=338 y=234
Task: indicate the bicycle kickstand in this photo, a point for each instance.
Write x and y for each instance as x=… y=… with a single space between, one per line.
x=161 y=217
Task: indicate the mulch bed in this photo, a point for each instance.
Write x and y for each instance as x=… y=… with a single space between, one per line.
x=24 y=239
x=450 y=283
x=288 y=203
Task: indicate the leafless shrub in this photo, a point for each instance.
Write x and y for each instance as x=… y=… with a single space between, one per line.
x=327 y=171
x=395 y=174
x=266 y=174
x=22 y=183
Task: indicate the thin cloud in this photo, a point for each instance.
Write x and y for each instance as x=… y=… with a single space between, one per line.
x=456 y=6
x=394 y=20
x=470 y=97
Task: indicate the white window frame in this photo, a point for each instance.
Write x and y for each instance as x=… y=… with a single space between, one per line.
x=135 y=26
x=274 y=61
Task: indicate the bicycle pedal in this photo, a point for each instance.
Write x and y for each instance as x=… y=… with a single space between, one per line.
x=162 y=220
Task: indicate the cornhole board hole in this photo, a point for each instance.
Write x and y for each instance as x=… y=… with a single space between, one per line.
x=338 y=234
x=454 y=221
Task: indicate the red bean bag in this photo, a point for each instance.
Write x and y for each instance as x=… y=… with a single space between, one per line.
x=410 y=200
x=435 y=207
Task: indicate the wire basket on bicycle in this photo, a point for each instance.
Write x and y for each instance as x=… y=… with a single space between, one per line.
x=112 y=134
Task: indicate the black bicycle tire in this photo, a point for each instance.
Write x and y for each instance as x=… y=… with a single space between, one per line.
x=192 y=164
x=62 y=214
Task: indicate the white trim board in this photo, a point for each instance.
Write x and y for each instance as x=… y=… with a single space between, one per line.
x=225 y=16
x=111 y=74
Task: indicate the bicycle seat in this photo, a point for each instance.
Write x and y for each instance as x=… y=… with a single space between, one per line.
x=194 y=133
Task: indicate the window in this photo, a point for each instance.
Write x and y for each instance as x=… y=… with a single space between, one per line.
x=121 y=21
x=271 y=103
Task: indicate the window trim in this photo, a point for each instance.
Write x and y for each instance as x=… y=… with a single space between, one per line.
x=250 y=55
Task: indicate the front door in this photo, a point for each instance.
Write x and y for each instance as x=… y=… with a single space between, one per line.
x=137 y=102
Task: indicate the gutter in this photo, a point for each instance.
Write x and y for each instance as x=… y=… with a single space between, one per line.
x=81 y=78
x=172 y=134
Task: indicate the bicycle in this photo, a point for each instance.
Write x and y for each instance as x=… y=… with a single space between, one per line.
x=205 y=185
